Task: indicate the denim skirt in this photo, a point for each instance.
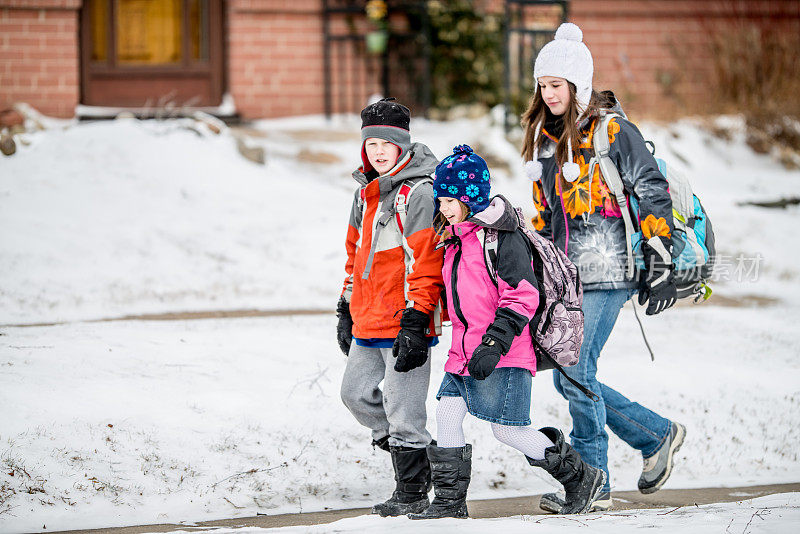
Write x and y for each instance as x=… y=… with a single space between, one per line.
x=504 y=397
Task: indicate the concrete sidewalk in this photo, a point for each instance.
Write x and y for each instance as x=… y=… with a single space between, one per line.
x=623 y=500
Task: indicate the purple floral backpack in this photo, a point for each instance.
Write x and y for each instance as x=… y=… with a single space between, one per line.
x=557 y=327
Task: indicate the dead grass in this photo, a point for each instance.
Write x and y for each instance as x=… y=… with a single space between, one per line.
x=756 y=72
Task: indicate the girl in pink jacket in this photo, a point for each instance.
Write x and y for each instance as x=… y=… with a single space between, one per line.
x=491 y=360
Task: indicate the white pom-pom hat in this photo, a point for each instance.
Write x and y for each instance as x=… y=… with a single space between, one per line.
x=564 y=57
x=567 y=57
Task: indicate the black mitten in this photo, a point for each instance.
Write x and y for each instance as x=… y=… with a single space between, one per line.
x=657 y=288
x=485 y=358
x=344 y=329
x=411 y=345
x=507 y=325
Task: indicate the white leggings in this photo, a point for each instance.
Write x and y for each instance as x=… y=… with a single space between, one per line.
x=450 y=416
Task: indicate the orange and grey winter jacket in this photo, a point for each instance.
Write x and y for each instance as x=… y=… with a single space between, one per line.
x=392 y=262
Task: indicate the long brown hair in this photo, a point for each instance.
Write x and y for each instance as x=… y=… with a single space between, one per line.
x=536 y=113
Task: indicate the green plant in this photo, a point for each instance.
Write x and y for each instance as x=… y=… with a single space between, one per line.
x=467 y=54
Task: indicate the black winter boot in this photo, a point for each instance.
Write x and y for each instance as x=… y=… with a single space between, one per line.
x=582 y=482
x=452 y=469
x=412 y=472
x=554 y=502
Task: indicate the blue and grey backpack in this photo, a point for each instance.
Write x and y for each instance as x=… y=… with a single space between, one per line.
x=693 y=249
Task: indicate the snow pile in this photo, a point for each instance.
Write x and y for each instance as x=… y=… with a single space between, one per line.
x=129 y=216
x=125 y=217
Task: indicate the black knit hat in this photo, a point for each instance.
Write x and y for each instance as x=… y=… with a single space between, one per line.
x=389 y=120
x=386 y=112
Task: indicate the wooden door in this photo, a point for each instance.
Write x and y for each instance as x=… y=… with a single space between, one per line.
x=151 y=53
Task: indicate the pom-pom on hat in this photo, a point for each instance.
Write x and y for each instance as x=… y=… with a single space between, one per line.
x=570 y=170
x=389 y=120
x=463 y=176
x=567 y=57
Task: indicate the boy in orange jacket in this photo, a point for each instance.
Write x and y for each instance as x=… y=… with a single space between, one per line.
x=389 y=313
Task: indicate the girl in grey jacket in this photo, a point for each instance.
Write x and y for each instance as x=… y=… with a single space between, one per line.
x=575 y=208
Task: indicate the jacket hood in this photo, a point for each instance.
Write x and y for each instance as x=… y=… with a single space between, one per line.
x=608 y=104
x=500 y=214
x=419 y=161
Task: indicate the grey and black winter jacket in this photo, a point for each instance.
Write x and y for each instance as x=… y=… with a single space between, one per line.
x=583 y=217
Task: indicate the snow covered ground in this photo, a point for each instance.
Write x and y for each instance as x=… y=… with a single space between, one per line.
x=774 y=514
x=116 y=423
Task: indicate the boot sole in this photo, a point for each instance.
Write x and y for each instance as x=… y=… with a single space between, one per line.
x=555 y=506
x=461 y=513
x=599 y=482
x=673 y=448
x=411 y=508
x=550 y=506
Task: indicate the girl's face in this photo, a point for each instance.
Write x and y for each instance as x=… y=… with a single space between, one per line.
x=555 y=93
x=452 y=209
x=382 y=154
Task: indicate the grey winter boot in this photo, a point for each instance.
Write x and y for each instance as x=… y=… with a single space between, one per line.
x=452 y=470
x=582 y=482
x=412 y=472
x=658 y=467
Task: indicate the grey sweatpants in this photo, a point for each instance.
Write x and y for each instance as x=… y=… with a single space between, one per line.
x=399 y=409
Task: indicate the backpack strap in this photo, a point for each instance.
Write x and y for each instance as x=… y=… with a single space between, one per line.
x=557 y=366
x=602 y=149
x=401 y=200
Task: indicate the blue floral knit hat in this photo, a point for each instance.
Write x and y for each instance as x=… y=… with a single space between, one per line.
x=463 y=176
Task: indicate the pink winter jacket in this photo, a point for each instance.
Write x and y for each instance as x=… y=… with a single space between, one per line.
x=473 y=300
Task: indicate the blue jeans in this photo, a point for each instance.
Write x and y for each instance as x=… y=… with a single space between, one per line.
x=637 y=426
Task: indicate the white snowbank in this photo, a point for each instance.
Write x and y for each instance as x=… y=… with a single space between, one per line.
x=115 y=218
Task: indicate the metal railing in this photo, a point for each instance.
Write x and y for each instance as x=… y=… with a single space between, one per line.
x=352 y=72
x=530 y=24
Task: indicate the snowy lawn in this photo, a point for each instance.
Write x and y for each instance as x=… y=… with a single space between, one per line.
x=106 y=424
x=136 y=422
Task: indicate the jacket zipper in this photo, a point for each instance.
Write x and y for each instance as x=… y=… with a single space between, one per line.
x=456 y=302
x=563 y=211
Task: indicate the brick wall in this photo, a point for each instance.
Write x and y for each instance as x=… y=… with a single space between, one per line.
x=39 y=54
x=654 y=53
x=275 y=57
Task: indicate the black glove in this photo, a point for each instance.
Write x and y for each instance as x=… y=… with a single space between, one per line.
x=344 y=330
x=411 y=346
x=657 y=287
x=485 y=358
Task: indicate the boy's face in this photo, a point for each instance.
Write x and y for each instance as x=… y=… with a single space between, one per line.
x=382 y=154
